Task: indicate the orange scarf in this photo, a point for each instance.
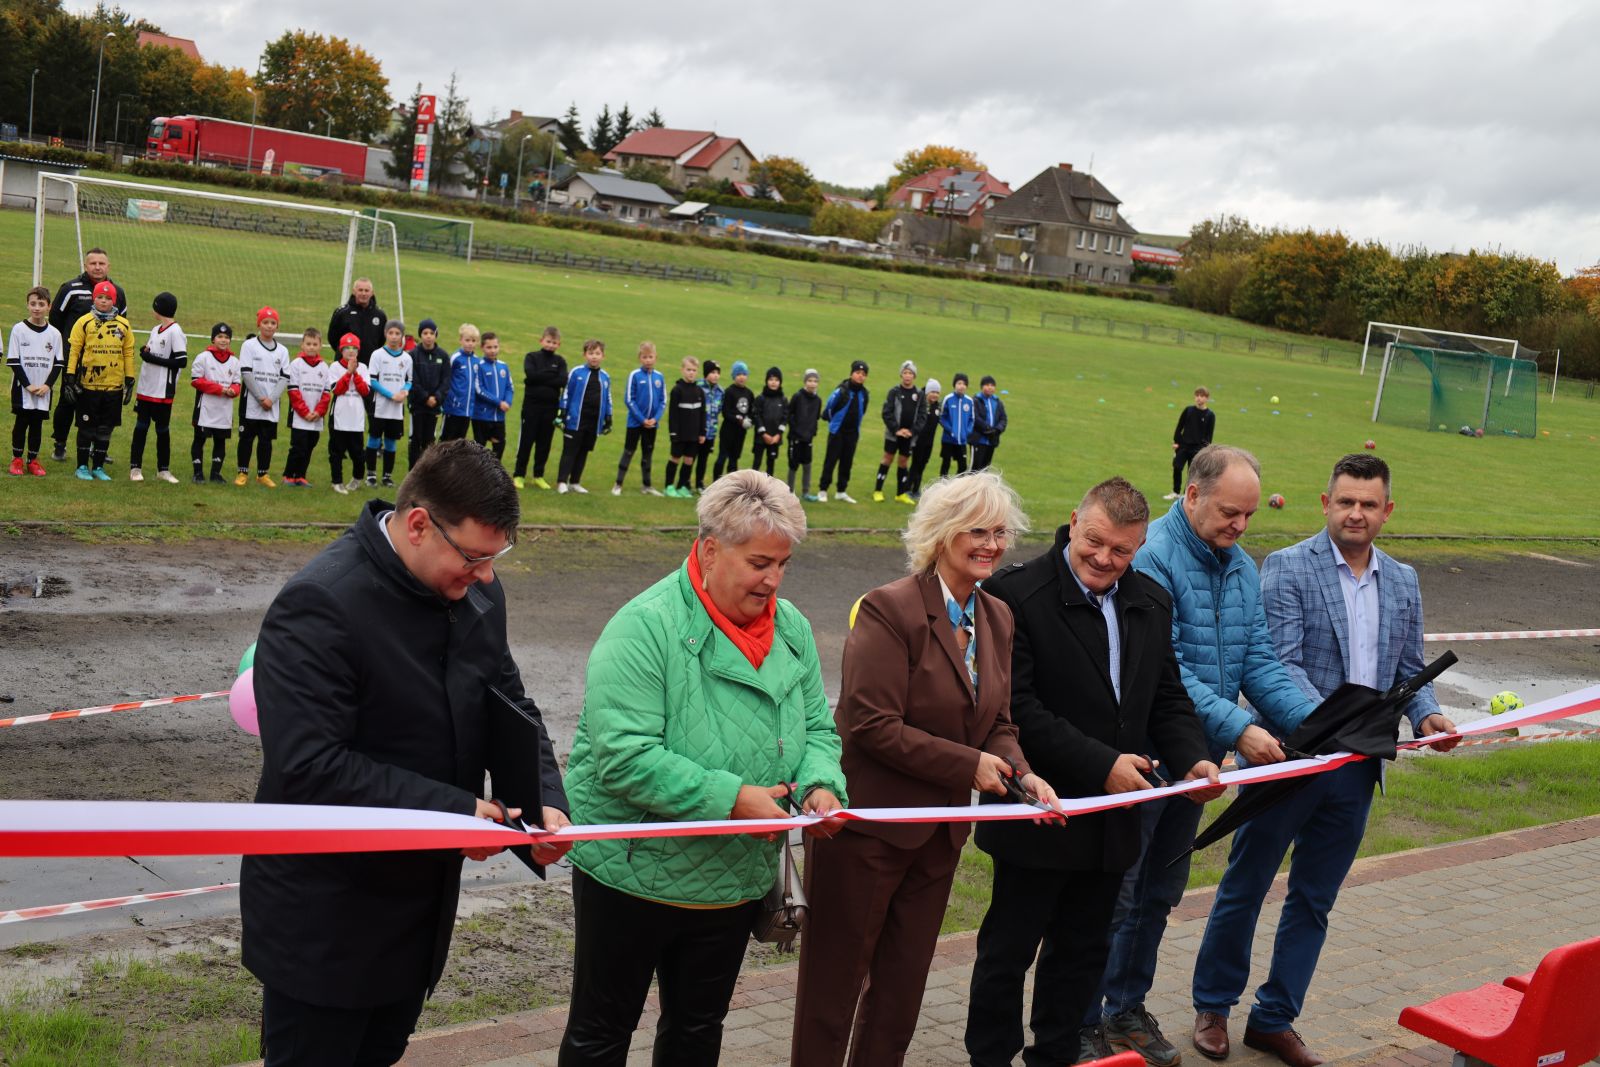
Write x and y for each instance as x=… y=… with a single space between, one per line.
x=754 y=639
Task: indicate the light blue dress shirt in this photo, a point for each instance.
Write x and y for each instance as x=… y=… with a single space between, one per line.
x=1361 y=608
x=1107 y=603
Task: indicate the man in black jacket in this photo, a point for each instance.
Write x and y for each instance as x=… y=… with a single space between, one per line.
x=1094 y=684
x=348 y=945
x=544 y=379
x=430 y=382
x=73 y=301
x=361 y=316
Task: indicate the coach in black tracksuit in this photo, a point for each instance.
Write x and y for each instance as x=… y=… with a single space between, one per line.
x=544 y=380
x=73 y=301
x=347 y=945
x=430 y=383
x=361 y=316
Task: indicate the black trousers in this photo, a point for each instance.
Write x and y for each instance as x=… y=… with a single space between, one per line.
x=642 y=438
x=301 y=442
x=424 y=427
x=949 y=453
x=491 y=435
x=455 y=427
x=29 y=430
x=702 y=460
x=982 y=456
x=575 y=448
x=622 y=942
x=297 y=1034
x=160 y=415
x=219 y=447
x=1181 y=459
x=920 y=454
x=841 y=453
x=65 y=416
x=730 y=449
x=538 y=430
x=1070 y=912
x=342 y=443
x=765 y=451
x=256 y=430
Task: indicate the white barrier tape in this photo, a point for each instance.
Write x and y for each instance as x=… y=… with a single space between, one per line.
x=1510 y=635
x=106 y=709
x=50 y=911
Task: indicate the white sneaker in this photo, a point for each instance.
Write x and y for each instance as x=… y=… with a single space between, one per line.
x=167 y=476
x=352 y=485
x=576 y=488
x=616 y=490
x=822 y=497
x=846 y=497
x=341 y=489
x=135 y=474
x=651 y=490
x=1169 y=496
x=561 y=487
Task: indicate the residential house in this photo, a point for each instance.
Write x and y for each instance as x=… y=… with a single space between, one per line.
x=850 y=201
x=752 y=191
x=616 y=196
x=963 y=194
x=690 y=157
x=151 y=39
x=1063 y=224
x=541 y=123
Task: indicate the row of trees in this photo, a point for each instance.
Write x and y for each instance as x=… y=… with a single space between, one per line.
x=1325 y=283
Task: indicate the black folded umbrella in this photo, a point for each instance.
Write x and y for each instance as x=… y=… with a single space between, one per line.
x=1354 y=718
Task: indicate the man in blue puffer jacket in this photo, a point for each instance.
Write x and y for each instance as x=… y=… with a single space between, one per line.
x=1219 y=631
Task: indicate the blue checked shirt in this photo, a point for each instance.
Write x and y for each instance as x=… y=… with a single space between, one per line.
x=1107 y=603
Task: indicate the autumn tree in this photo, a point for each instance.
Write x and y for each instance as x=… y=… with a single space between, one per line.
x=790 y=177
x=325 y=84
x=1224 y=235
x=931 y=157
x=842 y=220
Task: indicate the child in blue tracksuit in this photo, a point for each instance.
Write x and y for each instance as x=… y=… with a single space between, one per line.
x=956 y=419
x=845 y=409
x=988 y=423
x=458 y=401
x=585 y=414
x=712 y=374
x=492 y=394
x=646 y=398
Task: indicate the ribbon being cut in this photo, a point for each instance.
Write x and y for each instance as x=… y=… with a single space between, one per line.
x=39 y=828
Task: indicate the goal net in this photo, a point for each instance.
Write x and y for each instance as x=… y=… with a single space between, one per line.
x=222 y=255
x=1456 y=391
x=418 y=232
x=1382 y=334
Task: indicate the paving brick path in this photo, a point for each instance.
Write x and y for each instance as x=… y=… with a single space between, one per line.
x=1408 y=927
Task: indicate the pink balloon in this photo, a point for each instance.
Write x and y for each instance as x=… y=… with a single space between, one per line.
x=242 y=702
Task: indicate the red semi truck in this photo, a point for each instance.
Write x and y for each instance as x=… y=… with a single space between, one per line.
x=223 y=142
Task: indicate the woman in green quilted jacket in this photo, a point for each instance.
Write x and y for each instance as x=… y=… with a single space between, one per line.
x=704 y=700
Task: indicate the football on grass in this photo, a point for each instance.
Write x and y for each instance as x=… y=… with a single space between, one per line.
x=1275 y=500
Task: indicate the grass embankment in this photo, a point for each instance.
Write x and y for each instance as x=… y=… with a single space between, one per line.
x=1081 y=407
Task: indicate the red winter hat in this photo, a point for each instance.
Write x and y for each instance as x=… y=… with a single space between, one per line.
x=105 y=289
x=266 y=313
x=350 y=340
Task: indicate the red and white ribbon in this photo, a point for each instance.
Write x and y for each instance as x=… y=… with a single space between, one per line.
x=1510 y=635
x=32 y=828
x=106 y=709
x=50 y=911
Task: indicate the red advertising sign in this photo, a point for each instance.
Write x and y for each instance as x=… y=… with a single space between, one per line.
x=424 y=145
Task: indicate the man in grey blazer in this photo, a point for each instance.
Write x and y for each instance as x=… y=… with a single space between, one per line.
x=1339 y=610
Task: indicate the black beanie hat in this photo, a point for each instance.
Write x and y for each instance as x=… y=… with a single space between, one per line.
x=774 y=372
x=427 y=324
x=224 y=329
x=165 y=304
x=710 y=367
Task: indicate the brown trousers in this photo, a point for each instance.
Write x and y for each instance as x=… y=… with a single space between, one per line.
x=869 y=940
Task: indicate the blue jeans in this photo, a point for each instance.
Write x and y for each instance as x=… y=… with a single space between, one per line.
x=1324 y=822
x=1150 y=890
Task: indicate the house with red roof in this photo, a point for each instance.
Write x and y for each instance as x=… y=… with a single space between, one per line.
x=689 y=156
x=151 y=39
x=962 y=194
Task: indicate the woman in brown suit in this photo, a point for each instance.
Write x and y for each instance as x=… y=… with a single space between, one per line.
x=924 y=716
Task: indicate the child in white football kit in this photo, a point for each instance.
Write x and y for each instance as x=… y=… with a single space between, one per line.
x=36 y=357
x=309 y=380
x=264 y=365
x=216 y=378
x=164 y=356
x=390 y=367
x=349 y=385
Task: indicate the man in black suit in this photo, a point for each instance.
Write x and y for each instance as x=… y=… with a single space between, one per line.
x=372 y=676
x=1094 y=683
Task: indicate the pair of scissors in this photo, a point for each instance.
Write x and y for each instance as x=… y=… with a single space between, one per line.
x=1018 y=794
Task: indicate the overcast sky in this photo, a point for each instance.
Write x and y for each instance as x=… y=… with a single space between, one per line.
x=1453 y=125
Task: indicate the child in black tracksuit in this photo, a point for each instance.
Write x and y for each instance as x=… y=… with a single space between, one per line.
x=544 y=379
x=804 y=409
x=430 y=384
x=1195 y=428
x=686 y=427
x=903 y=416
x=771 y=416
x=844 y=412
x=988 y=423
x=738 y=415
x=922 y=451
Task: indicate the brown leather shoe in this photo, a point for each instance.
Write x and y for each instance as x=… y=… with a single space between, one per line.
x=1211 y=1035
x=1287 y=1045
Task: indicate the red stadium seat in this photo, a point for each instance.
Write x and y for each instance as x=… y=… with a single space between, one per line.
x=1552 y=1022
x=1519 y=982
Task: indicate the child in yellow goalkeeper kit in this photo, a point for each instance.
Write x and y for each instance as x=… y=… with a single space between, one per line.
x=100 y=373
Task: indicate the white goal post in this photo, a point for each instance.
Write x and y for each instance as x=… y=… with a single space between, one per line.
x=444 y=221
x=1427 y=337
x=222 y=254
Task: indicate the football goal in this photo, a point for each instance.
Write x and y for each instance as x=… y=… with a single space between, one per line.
x=418 y=232
x=1459 y=391
x=222 y=255
x=1381 y=334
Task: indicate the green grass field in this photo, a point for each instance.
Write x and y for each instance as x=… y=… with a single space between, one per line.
x=1081 y=407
